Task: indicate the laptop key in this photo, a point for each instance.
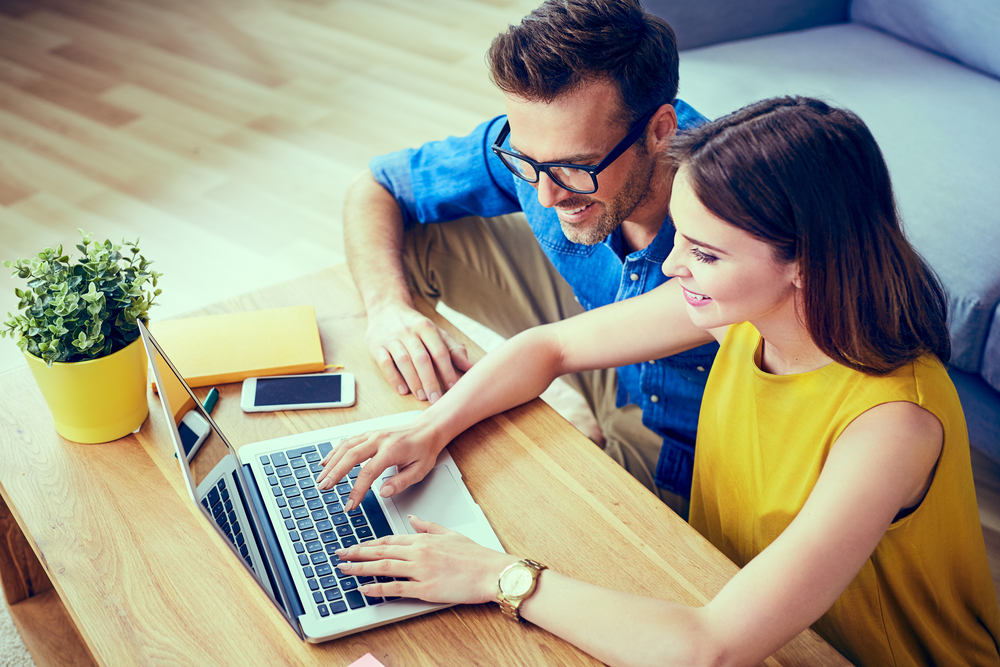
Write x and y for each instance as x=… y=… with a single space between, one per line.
x=358 y=521
x=344 y=531
x=315 y=468
x=355 y=599
x=310 y=534
x=363 y=532
x=292 y=491
x=213 y=496
x=300 y=513
x=289 y=524
x=328 y=582
x=318 y=597
x=296 y=502
x=331 y=499
x=323 y=524
x=286 y=513
x=349 y=585
x=264 y=460
x=299 y=451
x=339 y=519
x=353 y=474
x=305 y=522
x=328 y=537
x=313 y=547
x=333 y=594
x=348 y=542
x=366 y=580
x=277 y=492
x=325 y=570
x=307 y=571
x=297 y=463
x=312 y=457
x=325 y=448
x=310 y=493
x=288 y=481
x=313 y=585
x=294 y=535
x=303 y=559
x=318 y=515
x=272 y=480
x=323 y=611
x=331 y=548
x=303 y=472
x=343 y=489
x=283 y=471
x=268 y=470
x=314 y=504
x=338 y=607
x=357 y=510
x=317 y=558
x=281 y=502
x=300 y=548
x=278 y=459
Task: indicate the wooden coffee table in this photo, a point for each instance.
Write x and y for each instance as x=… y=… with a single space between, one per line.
x=104 y=560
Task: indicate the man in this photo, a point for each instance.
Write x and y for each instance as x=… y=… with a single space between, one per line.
x=590 y=91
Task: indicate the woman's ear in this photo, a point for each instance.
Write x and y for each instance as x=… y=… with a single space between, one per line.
x=797 y=279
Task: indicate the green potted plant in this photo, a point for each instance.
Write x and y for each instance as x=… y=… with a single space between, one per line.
x=78 y=330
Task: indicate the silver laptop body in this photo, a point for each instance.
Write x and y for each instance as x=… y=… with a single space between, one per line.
x=262 y=501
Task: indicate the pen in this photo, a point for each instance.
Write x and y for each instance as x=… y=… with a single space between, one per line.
x=210 y=400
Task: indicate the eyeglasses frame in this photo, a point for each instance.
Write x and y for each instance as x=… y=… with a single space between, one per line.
x=593 y=170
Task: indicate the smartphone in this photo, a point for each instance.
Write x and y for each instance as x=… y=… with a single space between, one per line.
x=297 y=392
x=194 y=429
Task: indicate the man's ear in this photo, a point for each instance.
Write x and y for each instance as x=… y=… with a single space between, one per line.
x=664 y=125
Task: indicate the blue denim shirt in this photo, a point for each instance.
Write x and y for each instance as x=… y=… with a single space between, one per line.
x=461 y=176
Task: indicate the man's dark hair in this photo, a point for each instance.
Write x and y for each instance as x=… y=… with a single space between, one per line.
x=567 y=43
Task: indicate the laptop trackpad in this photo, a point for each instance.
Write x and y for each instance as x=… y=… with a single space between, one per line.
x=437 y=498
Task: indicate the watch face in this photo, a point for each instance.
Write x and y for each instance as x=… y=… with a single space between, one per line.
x=516 y=581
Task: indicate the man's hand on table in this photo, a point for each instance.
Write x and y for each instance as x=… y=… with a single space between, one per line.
x=413 y=352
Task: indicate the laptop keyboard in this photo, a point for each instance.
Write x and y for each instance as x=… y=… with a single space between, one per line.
x=218 y=502
x=318 y=525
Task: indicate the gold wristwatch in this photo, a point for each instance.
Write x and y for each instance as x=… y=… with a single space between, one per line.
x=517 y=583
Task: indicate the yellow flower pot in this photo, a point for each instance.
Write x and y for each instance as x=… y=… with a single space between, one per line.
x=98 y=400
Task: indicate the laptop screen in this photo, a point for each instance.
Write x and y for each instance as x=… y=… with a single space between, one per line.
x=214 y=478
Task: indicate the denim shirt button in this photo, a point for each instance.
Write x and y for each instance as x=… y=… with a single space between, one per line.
x=654 y=398
x=634 y=277
x=700 y=368
x=652 y=362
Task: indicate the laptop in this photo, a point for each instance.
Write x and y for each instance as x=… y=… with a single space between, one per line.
x=262 y=501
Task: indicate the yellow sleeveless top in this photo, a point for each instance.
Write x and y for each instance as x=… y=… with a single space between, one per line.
x=925 y=596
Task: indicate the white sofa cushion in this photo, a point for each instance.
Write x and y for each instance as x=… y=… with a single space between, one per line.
x=966 y=30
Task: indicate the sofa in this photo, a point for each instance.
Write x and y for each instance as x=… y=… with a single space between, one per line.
x=925 y=76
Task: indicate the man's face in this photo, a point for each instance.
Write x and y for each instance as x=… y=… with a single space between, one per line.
x=580 y=128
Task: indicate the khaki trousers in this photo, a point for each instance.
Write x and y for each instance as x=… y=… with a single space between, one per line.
x=494 y=271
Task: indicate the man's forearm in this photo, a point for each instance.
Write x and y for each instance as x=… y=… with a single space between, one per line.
x=373 y=241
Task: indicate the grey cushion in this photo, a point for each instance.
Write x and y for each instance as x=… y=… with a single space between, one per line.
x=966 y=30
x=991 y=355
x=933 y=119
x=703 y=22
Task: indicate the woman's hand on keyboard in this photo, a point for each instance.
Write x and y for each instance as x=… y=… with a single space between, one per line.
x=413 y=449
x=436 y=564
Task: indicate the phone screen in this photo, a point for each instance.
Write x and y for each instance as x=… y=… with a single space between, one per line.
x=297 y=390
x=188 y=437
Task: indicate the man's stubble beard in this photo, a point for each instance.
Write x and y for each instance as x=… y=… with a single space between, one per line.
x=637 y=187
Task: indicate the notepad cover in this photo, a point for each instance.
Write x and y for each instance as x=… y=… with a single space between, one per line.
x=217 y=349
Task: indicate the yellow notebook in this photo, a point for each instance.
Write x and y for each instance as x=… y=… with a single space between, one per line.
x=217 y=349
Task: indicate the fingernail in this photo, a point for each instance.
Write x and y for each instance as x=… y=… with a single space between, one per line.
x=421 y=395
x=450 y=385
x=435 y=396
x=344 y=567
x=386 y=490
x=340 y=552
x=349 y=505
x=401 y=389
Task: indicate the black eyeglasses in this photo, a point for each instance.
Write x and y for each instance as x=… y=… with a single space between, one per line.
x=581 y=179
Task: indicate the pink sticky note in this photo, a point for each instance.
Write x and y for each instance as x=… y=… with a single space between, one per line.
x=367 y=660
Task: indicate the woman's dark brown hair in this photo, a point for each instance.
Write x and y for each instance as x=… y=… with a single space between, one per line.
x=566 y=43
x=809 y=180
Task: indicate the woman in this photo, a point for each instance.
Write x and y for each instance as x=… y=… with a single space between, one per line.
x=832 y=461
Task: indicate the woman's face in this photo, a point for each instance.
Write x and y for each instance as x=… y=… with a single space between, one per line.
x=728 y=276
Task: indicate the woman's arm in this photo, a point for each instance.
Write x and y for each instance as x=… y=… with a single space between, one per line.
x=883 y=462
x=645 y=327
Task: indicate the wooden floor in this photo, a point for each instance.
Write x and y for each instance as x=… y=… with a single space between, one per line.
x=223 y=133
